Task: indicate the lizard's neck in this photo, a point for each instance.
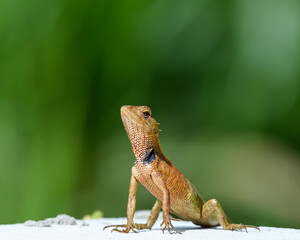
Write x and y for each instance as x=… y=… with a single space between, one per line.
x=141 y=153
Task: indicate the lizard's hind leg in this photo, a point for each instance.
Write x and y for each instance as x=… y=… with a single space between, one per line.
x=213 y=215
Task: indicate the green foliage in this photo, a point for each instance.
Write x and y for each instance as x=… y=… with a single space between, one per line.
x=96 y=214
x=208 y=69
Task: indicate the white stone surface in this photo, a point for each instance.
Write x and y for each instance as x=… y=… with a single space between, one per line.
x=94 y=231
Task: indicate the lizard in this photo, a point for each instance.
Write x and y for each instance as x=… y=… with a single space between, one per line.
x=173 y=192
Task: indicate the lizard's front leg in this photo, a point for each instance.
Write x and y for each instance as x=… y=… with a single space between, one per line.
x=130 y=209
x=160 y=183
x=152 y=217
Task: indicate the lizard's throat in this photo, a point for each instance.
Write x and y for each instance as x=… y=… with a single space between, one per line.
x=139 y=147
x=140 y=140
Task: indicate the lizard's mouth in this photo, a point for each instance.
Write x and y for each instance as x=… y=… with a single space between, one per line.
x=126 y=113
x=128 y=120
x=127 y=125
x=129 y=117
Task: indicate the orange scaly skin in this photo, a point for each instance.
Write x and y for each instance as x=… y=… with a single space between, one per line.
x=174 y=193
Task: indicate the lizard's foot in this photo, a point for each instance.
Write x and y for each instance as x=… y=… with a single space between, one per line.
x=168 y=225
x=239 y=227
x=126 y=227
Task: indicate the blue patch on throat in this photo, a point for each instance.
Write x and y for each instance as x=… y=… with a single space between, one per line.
x=149 y=158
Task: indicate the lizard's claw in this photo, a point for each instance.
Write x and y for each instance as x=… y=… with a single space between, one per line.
x=240 y=227
x=167 y=224
x=126 y=227
x=176 y=219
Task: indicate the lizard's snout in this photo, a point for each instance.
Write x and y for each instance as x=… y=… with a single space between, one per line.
x=128 y=112
x=125 y=109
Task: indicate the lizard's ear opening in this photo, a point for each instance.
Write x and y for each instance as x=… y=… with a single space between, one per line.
x=156 y=130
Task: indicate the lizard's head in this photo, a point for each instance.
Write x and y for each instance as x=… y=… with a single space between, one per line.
x=141 y=128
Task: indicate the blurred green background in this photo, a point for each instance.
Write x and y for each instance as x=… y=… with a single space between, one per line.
x=222 y=78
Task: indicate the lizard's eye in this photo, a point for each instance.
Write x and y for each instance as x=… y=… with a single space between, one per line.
x=146 y=114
